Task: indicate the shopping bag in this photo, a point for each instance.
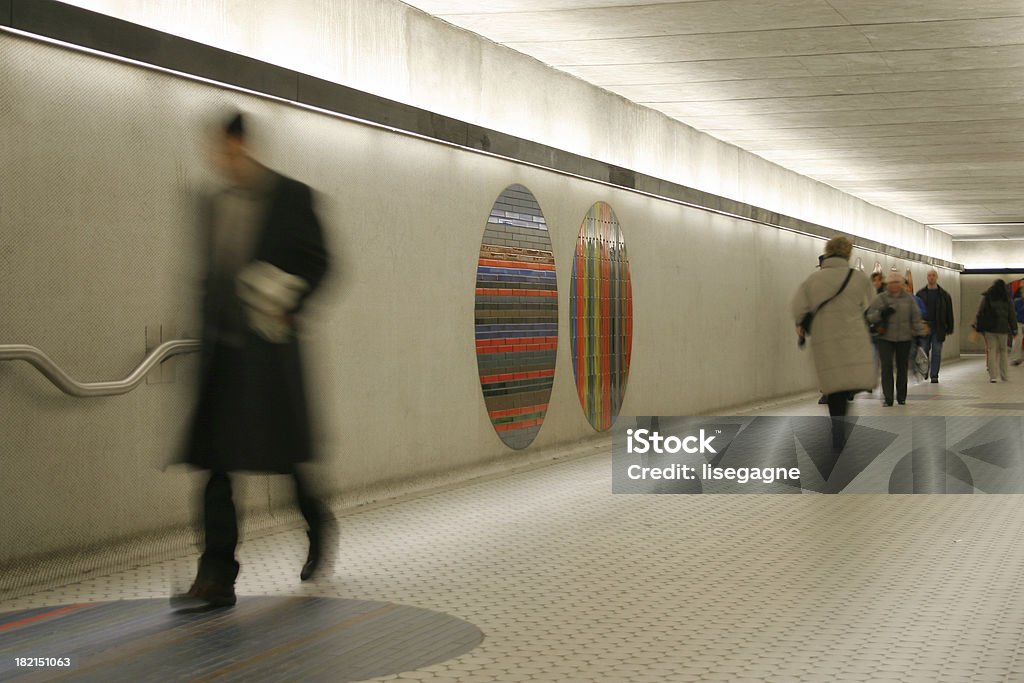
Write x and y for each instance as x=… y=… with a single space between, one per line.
x=921 y=363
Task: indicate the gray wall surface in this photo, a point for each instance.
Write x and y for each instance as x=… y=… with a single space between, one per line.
x=391 y=49
x=990 y=253
x=983 y=254
x=972 y=286
x=101 y=161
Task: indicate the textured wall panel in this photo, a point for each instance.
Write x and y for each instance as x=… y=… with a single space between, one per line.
x=601 y=314
x=516 y=317
x=100 y=169
x=390 y=49
x=126 y=39
x=100 y=161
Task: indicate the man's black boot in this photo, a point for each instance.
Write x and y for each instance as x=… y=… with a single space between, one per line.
x=313 y=558
x=214 y=586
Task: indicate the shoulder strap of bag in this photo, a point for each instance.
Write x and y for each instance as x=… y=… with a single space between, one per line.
x=849 y=274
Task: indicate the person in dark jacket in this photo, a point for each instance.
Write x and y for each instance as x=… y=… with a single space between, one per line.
x=939 y=318
x=265 y=256
x=996 y=319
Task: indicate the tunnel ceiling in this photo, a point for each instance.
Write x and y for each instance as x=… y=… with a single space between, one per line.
x=915 y=105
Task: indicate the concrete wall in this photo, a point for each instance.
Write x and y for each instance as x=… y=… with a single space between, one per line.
x=972 y=286
x=390 y=49
x=984 y=254
x=990 y=254
x=101 y=161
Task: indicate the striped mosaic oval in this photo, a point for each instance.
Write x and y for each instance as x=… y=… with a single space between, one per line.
x=601 y=316
x=516 y=317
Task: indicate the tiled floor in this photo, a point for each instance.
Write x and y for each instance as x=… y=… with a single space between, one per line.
x=963 y=389
x=570 y=583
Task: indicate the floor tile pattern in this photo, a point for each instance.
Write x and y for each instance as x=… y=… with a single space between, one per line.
x=570 y=583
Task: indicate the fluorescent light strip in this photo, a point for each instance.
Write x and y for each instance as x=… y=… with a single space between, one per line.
x=988 y=239
x=420 y=136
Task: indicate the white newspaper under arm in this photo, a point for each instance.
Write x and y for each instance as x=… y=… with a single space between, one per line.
x=268 y=294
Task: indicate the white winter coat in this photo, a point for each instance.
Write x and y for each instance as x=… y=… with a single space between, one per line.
x=839 y=339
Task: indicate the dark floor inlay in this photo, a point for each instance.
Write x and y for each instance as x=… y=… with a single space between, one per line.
x=998 y=406
x=912 y=396
x=259 y=639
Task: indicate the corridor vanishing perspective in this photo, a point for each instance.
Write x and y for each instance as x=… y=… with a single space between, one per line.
x=450 y=340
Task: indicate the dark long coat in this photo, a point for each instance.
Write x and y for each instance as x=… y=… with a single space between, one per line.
x=252 y=412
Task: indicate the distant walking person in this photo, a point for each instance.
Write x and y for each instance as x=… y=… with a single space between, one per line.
x=878 y=281
x=939 y=318
x=831 y=302
x=1017 y=299
x=996 y=319
x=265 y=255
x=899 y=320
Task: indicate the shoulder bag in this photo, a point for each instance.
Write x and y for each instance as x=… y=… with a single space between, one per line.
x=805 y=322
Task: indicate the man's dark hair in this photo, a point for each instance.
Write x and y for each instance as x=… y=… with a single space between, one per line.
x=235 y=126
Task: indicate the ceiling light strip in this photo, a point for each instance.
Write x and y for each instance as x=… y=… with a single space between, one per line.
x=75 y=26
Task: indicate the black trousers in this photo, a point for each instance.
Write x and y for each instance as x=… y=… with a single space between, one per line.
x=837 y=403
x=889 y=351
x=220 y=524
x=837 y=406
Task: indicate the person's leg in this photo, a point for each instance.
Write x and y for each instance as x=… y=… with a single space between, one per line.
x=837 y=407
x=935 y=355
x=902 y=352
x=885 y=354
x=220 y=521
x=214 y=585
x=837 y=404
x=1004 y=357
x=316 y=518
x=878 y=362
x=992 y=344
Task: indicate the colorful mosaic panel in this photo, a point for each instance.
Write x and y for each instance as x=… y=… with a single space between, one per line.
x=601 y=316
x=516 y=317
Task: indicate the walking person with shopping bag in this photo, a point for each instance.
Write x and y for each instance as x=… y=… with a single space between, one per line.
x=996 y=319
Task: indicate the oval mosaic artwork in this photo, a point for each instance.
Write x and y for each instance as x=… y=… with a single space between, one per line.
x=601 y=316
x=516 y=317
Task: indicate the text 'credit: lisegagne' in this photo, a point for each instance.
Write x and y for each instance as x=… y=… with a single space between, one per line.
x=643 y=441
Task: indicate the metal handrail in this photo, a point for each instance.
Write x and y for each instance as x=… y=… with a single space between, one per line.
x=62 y=381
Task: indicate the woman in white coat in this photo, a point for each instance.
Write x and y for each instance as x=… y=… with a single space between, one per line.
x=837 y=296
